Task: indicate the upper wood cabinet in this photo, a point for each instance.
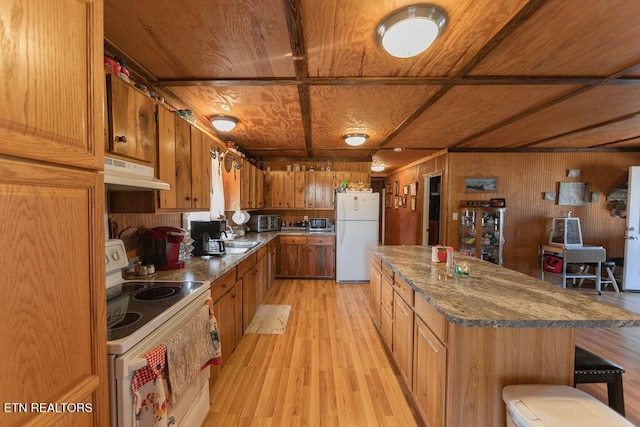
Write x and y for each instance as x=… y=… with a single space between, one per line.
x=243 y=187
x=299 y=190
x=184 y=161
x=132 y=124
x=51 y=107
x=319 y=190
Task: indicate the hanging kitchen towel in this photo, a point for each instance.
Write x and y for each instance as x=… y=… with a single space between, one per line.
x=149 y=386
x=216 y=208
x=215 y=337
x=187 y=350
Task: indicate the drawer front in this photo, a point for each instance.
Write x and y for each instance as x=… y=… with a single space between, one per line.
x=434 y=320
x=293 y=240
x=405 y=290
x=387 y=272
x=321 y=240
x=262 y=251
x=386 y=297
x=376 y=262
x=222 y=285
x=246 y=265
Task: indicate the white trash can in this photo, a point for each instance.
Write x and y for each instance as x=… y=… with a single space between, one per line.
x=537 y=405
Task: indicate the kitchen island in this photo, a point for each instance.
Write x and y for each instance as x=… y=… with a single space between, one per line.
x=457 y=341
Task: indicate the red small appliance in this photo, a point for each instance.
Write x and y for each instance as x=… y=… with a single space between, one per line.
x=162 y=247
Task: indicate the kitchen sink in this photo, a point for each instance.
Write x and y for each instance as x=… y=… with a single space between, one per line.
x=235 y=250
x=244 y=244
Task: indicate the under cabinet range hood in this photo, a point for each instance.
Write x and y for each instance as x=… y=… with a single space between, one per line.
x=120 y=175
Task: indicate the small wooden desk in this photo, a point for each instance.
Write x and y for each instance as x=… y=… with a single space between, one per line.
x=575 y=255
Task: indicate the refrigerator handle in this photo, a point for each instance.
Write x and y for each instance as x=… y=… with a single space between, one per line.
x=355 y=203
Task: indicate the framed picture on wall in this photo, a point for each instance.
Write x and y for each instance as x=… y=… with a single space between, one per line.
x=387 y=202
x=405 y=190
x=413 y=188
x=413 y=204
x=573 y=194
x=396 y=188
x=481 y=184
x=397 y=202
x=403 y=201
x=389 y=188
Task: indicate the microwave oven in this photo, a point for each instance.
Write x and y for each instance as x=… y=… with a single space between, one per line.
x=320 y=224
x=262 y=223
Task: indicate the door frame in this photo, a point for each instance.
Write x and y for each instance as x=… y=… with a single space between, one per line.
x=426 y=201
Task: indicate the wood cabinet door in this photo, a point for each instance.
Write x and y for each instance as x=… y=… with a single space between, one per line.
x=249 y=301
x=324 y=190
x=321 y=256
x=238 y=300
x=375 y=284
x=247 y=193
x=277 y=189
x=167 y=157
x=403 y=339
x=259 y=184
x=132 y=126
x=272 y=264
x=299 y=190
x=226 y=316
x=268 y=189
x=310 y=193
x=53 y=344
x=183 y=164
x=288 y=187
x=200 y=170
x=429 y=374
x=52 y=82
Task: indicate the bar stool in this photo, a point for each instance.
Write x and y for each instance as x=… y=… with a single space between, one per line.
x=591 y=368
x=611 y=279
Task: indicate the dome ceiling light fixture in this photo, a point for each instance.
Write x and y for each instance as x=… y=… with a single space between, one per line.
x=224 y=123
x=377 y=166
x=355 y=139
x=410 y=31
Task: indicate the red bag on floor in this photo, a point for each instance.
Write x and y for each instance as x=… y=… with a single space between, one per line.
x=552 y=264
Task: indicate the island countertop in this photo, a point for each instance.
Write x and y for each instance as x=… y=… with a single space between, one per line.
x=496 y=296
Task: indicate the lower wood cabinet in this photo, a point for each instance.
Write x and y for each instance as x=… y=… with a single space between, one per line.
x=375 y=284
x=429 y=374
x=386 y=312
x=403 y=338
x=307 y=256
x=272 y=262
x=223 y=293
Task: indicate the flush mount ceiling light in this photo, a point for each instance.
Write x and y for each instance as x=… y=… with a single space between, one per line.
x=224 y=123
x=377 y=167
x=355 y=139
x=398 y=149
x=410 y=31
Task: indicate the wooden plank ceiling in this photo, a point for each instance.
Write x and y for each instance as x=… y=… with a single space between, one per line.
x=300 y=74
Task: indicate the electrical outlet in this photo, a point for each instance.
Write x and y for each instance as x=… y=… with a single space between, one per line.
x=455 y=216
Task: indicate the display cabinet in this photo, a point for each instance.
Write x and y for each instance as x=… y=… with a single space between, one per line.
x=481 y=233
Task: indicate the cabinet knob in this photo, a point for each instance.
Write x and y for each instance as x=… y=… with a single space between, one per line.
x=195 y=199
x=187 y=198
x=122 y=139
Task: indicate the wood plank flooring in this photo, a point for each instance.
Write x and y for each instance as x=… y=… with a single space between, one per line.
x=330 y=366
x=619 y=345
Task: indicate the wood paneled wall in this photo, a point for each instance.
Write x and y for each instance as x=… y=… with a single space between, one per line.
x=404 y=226
x=522 y=180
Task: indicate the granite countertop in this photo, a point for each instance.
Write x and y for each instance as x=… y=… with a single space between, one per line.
x=496 y=296
x=210 y=268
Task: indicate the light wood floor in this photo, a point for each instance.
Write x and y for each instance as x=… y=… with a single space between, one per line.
x=330 y=367
x=619 y=345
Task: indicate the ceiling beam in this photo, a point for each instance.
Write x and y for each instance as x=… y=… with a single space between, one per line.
x=298 y=53
x=407 y=81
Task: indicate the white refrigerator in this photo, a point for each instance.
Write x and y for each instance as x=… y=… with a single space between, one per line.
x=357 y=217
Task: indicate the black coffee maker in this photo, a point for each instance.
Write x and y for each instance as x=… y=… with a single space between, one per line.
x=207 y=237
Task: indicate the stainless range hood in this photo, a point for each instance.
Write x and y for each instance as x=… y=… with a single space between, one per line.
x=120 y=175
